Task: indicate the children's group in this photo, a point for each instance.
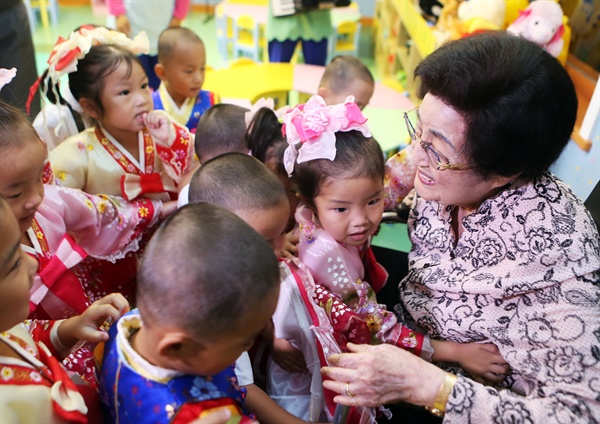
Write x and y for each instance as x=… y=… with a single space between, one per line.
x=165 y=256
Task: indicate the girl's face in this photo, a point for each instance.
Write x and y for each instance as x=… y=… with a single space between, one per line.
x=17 y=270
x=443 y=127
x=350 y=209
x=125 y=98
x=21 y=170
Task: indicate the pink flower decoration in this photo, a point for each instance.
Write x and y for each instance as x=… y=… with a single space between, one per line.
x=314 y=125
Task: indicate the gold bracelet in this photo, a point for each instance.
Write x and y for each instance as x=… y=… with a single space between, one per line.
x=439 y=407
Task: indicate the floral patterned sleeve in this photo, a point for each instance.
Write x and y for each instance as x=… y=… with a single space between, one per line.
x=399 y=177
x=471 y=402
x=106 y=227
x=70 y=161
x=177 y=153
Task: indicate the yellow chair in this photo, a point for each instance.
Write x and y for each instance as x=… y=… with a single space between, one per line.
x=344 y=40
x=247 y=38
x=43 y=6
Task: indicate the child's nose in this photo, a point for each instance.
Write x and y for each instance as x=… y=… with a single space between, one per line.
x=34 y=200
x=361 y=218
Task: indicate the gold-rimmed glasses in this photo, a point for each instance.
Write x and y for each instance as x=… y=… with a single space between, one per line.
x=436 y=159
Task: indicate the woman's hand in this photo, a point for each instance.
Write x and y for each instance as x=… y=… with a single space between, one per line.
x=159 y=125
x=85 y=327
x=287 y=356
x=382 y=374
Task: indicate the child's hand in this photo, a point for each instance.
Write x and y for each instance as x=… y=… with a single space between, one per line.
x=483 y=362
x=168 y=208
x=159 y=125
x=290 y=249
x=287 y=356
x=123 y=25
x=85 y=327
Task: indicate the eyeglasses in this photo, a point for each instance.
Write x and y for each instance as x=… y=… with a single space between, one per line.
x=436 y=159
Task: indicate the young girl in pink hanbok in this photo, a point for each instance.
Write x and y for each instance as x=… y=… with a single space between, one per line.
x=338 y=169
x=60 y=227
x=34 y=387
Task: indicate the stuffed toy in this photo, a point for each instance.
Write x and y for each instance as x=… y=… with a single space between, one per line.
x=431 y=9
x=469 y=17
x=492 y=11
x=542 y=23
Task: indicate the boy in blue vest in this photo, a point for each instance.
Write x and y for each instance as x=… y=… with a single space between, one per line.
x=181 y=65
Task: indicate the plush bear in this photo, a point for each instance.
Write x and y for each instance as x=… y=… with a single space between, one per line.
x=542 y=23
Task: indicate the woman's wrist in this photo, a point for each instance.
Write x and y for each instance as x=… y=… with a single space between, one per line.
x=439 y=406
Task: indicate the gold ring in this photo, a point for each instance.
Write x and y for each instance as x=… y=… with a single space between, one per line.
x=348 y=392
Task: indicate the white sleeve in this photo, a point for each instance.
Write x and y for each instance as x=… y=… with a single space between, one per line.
x=184 y=198
x=243 y=370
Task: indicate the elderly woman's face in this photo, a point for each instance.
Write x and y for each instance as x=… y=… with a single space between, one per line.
x=444 y=128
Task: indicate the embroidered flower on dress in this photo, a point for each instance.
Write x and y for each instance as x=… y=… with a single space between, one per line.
x=35 y=376
x=143 y=212
x=540 y=240
x=203 y=389
x=512 y=412
x=565 y=364
x=7 y=374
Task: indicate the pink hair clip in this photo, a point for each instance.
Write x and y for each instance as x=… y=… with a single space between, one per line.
x=314 y=125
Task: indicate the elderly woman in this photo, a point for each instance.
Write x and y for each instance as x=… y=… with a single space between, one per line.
x=503 y=251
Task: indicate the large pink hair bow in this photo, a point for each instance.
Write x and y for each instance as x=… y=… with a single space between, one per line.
x=314 y=125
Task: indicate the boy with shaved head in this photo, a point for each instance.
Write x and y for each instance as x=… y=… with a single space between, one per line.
x=181 y=65
x=207 y=286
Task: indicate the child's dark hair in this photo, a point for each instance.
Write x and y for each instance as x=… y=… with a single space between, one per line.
x=237 y=182
x=264 y=133
x=88 y=80
x=221 y=129
x=356 y=156
x=342 y=70
x=15 y=128
x=203 y=271
x=170 y=38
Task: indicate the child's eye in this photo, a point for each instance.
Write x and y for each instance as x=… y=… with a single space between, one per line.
x=16 y=265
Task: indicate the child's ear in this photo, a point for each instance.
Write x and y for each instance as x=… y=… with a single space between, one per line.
x=323 y=92
x=159 y=70
x=90 y=108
